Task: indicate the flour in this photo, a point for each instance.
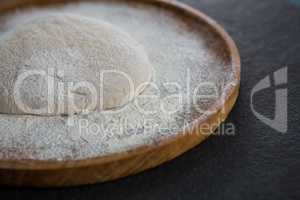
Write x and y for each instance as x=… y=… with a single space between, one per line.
x=184 y=55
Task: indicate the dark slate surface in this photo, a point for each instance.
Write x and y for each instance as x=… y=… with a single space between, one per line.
x=258 y=162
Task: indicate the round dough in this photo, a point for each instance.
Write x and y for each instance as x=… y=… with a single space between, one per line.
x=65 y=64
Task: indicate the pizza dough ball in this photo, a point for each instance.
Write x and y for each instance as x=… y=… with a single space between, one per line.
x=65 y=64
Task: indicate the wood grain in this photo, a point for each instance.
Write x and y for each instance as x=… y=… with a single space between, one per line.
x=70 y=173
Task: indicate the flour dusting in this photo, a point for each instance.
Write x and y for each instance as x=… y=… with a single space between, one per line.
x=184 y=55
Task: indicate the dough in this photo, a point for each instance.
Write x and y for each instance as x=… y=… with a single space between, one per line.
x=65 y=64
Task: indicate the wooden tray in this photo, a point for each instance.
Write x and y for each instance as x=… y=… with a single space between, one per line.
x=101 y=169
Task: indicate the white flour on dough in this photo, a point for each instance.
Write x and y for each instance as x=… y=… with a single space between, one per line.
x=181 y=51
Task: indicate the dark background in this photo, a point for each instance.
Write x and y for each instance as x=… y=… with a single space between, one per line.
x=258 y=162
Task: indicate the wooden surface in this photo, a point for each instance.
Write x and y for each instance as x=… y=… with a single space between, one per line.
x=70 y=173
